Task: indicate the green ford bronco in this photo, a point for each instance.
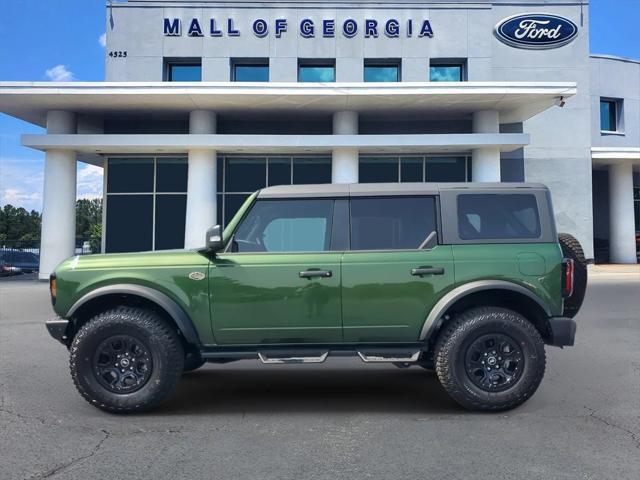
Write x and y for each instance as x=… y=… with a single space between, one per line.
x=469 y=280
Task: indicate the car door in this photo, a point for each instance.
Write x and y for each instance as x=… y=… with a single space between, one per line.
x=395 y=270
x=279 y=280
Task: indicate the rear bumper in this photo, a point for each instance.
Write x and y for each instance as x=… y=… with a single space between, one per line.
x=563 y=331
x=58 y=329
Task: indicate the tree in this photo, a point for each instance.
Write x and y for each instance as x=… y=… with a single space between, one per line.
x=89 y=222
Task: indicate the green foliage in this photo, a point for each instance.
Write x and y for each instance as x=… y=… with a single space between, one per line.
x=22 y=228
x=17 y=224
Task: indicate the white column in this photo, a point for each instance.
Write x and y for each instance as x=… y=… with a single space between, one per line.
x=485 y=162
x=622 y=241
x=58 y=232
x=201 y=183
x=344 y=165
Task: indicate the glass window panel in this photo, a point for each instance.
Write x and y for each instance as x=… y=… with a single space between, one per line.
x=219 y=173
x=182 y=72
x=245 y=174
x=129 y=223
x=445 y=169
x=311 y=170
x=608 y=116
x=378 y=170
x=286 y=226
x=171 y=175
x=498 y=216
x=445 y=73
x=170 y=218
x=391 y=223
x=411 y=169
x=130 y=175
x=251 y=73
x=381 y=73
x=232 y=204
x=219 y=204
x=279 y=171
x=317 y=73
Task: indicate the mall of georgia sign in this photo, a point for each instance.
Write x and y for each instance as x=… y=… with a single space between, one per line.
x=536 y=31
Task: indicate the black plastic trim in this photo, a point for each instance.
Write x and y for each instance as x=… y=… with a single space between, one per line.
x=58 y=329
x=563 y=331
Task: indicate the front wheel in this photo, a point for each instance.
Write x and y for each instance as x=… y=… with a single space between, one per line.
x=126 y=360
x=490 y=359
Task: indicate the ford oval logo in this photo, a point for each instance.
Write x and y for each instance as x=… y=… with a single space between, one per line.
x=536 y=31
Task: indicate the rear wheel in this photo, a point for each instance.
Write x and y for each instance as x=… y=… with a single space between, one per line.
x=126 y=360
x=572 y=249
x=490 y=359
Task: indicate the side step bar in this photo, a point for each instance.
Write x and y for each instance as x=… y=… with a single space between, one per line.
x=384 y=358
x=299 y=359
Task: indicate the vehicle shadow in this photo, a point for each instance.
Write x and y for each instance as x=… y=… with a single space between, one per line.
x=304 y=389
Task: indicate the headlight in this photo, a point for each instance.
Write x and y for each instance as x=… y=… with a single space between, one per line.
x=53 y=288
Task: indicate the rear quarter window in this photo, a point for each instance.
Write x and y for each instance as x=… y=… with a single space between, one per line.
x=498 y=216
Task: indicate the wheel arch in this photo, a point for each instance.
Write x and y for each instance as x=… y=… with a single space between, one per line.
x=496 y=293
x=134 y=295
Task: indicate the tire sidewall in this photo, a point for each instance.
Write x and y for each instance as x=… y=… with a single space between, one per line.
x=485 y=322
x=84 y=348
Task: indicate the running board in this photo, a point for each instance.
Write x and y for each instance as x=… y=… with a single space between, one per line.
x=379 y=357
x=298 y=359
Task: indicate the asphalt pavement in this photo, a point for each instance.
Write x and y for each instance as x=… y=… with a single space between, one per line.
x=339 y=420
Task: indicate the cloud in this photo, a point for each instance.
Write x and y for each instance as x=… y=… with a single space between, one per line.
x=89 y=181
x=21 y=182
x=59 y=73
x=102 y=40
x=15 y=196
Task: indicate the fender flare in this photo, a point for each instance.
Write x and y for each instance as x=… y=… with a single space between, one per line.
x=184 y=323
x=463 y=290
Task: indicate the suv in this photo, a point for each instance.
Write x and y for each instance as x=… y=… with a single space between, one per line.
x=468 y=280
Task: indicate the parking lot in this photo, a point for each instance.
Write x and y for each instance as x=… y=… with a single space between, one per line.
x=338 y=420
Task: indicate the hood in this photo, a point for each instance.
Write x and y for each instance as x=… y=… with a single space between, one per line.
x=165 y=258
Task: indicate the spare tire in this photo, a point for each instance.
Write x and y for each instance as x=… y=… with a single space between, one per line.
x=572 y=249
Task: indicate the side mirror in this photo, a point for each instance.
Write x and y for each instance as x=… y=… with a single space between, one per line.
x=214 y=241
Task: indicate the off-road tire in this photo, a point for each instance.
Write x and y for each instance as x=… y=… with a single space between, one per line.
x=572 y=249
x=456 y=337
x=192 y=361
x=164 y=347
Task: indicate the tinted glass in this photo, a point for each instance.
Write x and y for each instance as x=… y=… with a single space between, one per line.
x=378 y=170
x=232 y=204
x=245 y=174
x=219 y=205
x=445 y=73
x=129 y=223
x=171 y=175
x=445 y=169
x=251 y=73
x=279 y=171
x=286 y=226
x=311 y=170
x=498 y=216
x=170 y=218
x=608 y=116
x=381 y=73
x=317 y=73
x=185 y=73
x=130 y=175
x=391 y=223
x=411 y=169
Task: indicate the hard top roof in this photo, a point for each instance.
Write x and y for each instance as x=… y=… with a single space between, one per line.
x=386 y=189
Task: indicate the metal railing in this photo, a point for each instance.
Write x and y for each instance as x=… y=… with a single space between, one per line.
x=83 y=246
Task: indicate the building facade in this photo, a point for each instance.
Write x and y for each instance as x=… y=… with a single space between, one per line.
x=206 y=101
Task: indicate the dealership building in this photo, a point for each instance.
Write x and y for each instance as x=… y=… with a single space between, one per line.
x=205 y=102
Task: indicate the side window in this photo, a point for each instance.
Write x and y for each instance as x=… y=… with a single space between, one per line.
x=498 y=216
x=391 y=223
x=286 y=226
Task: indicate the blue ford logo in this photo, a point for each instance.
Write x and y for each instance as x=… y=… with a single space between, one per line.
x=536 y=31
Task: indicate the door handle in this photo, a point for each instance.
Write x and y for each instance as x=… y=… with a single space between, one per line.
x=420 y=271
x=315 y=273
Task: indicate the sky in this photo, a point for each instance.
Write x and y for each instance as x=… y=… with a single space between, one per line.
x=63 y=40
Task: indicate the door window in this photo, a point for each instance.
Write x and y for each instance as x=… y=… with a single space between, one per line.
x=286 y=226
x=391 y=223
